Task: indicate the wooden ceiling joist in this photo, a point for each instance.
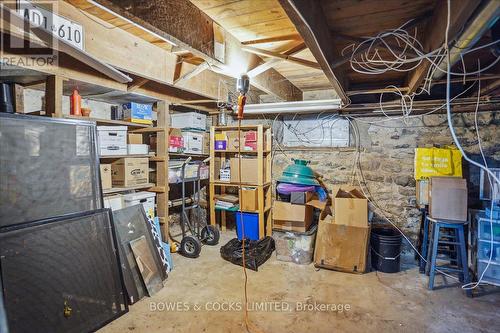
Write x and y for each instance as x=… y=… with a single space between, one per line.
x=197 y=70
x=269 y=63
x=311 y=23
x=272 y=39
x=281 y=56
x=168 y=18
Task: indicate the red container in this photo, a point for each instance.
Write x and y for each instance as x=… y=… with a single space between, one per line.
x=75 y=104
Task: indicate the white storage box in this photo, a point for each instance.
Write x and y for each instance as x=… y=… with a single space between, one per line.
x=137 y=149
x=188 y=120
x=147 y=199
x=225 y=175
x=112 y=140
x=115 y=202
x=193 y=142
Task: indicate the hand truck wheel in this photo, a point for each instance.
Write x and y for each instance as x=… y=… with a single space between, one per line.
x=190 y=247
x=210 y=235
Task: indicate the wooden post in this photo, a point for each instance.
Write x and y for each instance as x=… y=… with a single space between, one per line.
x=211 y=203
x=18 y=98
x=53 y=96
x=163 y=121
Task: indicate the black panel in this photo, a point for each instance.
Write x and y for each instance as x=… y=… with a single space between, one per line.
x=61 y=275
x=49 y=168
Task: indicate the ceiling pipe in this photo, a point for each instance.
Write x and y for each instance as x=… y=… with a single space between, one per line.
x=300 y=107
x=482 y=22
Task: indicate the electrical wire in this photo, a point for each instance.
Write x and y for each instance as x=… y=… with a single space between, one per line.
x=457 y=143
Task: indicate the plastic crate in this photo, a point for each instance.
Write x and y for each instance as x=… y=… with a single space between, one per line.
x=484 y=230
x=296 y=247
x=484 y=249
x=492 y=275
x=251 y=224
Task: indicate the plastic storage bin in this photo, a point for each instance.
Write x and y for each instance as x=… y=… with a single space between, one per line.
x=484 y=250
x=484 y=229
x=147 y=199
x=492 y=275
x=251 y=224
x=297 y=247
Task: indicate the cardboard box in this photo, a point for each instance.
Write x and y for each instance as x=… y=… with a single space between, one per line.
x=287 y=216
x=249 y=199
x=130 y=171
x=350 y=206
x=137 y=149
x=341 y=247
x=233 y=141
x=448 y=198
x=106 y=176
x=112 y=140
x=249 y=170
x=134 y=139
x=206 y=144
x=251 y=140
x=300 y=198
x=193 y=142
x=138 y=113
x=423 y=192
x=175 y=141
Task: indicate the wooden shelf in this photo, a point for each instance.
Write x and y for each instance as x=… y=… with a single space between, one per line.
x=147 y=130
x=124 y=189
x=264 y=165
x=101 y=121
x=219 y=183
x=235 y=151
x=243 y=127
x=188 y=155
x=108 y=157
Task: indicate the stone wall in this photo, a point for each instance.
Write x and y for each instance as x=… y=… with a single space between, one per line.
x=387 y=159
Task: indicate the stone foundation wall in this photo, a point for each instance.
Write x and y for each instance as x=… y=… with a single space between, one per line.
x=387 y=159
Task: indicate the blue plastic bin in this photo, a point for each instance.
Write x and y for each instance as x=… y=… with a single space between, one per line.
x=251 y=223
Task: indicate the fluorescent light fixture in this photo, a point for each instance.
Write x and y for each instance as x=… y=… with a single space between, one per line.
x=131 y=22
x=294 y=107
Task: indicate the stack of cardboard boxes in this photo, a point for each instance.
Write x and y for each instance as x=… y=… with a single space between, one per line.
x=344 y=232
x=188 y=133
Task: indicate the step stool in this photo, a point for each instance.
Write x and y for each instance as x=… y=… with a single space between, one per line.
x=455 y=240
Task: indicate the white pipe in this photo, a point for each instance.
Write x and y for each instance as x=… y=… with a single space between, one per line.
x=294 y=107
x=483 y=21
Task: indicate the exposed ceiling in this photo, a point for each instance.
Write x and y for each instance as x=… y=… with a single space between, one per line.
x=304 y=44
x=254 y=21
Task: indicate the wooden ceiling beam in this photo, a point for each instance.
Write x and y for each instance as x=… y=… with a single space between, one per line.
x=168 y=18
x=197 y=70
x=310 y=21
x=271 y=62
x=435 y=32
x=281 y=56
x=272 y=39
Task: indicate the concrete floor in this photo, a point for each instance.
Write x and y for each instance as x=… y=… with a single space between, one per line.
x=378 y=302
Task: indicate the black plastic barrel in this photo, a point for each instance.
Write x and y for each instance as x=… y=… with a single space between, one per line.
x=386 y=249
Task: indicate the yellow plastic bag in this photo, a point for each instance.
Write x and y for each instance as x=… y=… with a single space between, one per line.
x=430 y=162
